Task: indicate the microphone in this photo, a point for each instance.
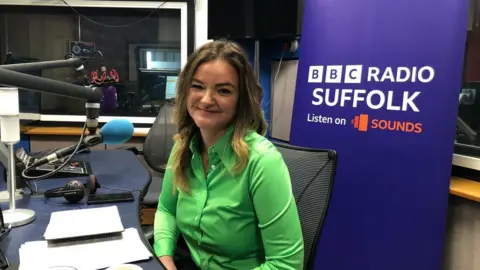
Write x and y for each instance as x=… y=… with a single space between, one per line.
x=114 y=132
x=23 y=156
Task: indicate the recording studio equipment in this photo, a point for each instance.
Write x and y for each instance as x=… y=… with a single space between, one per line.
x=92 y=107
x=116 y=131
x=110 y=198
x=26 y=67
x=258 y=19
x=29 y=101
x=72 y=169
x=81 y=49
x=10 y=120
x=92 y=113
x=91 y=94
x=74 y=191
x=49 y=86
x=23 y=159
x=81 y=68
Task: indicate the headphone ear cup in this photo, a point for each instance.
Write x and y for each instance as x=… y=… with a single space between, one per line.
x=91 y=185
x=74 y=191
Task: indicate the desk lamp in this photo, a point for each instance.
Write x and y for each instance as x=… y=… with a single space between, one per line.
x=10 y=117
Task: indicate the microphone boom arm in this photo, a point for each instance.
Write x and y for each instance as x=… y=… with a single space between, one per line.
x=25 y=67
x=10 y=75
x=49 y=86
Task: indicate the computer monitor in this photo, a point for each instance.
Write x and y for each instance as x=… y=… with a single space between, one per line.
x=170 y=87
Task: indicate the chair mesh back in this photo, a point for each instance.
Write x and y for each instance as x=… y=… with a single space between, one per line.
x=312 y=173
x=159 y=140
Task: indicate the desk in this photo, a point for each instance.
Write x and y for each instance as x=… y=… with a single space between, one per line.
x=465 y=188
x=114 y=169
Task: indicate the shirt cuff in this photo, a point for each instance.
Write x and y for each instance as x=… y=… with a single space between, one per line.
x=162 y=248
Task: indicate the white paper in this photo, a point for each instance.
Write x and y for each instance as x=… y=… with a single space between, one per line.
x=85 y=254
x=83 y=222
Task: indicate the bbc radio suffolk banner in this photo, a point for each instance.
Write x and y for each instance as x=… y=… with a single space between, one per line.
x=378 y=81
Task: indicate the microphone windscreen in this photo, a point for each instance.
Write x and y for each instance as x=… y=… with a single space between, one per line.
x=108 y=104
x=117 y=131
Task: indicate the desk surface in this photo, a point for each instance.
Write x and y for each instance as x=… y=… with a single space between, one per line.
x=117 y=169
x=70 y=131
x=465 y=188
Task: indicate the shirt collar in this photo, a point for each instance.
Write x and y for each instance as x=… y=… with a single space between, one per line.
x=223 y=147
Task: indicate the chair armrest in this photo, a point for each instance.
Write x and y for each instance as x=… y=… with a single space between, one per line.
x=148 y=233
x=133 y=149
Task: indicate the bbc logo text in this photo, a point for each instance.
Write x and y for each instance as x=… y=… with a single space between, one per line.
x=354 y=74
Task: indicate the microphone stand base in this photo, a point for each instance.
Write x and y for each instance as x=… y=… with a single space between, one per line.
x=5 y=195
x=18 y=217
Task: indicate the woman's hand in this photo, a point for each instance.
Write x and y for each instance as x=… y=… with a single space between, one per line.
x=167 y=261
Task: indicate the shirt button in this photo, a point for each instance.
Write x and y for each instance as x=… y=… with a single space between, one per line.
x=213 y=167
x=204 y=263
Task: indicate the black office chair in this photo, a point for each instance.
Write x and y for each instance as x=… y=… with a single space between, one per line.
x=312 y=172
x=156 y=150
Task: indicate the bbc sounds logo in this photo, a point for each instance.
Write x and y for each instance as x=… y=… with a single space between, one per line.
x=363 y=124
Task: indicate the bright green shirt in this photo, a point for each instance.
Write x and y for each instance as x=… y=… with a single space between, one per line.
x=247 y=220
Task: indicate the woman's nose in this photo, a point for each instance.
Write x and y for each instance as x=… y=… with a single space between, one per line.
x=208 y=98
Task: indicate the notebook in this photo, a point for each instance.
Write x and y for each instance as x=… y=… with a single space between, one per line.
x=83 y=222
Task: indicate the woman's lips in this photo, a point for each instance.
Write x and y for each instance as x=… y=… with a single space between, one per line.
x=208 y=111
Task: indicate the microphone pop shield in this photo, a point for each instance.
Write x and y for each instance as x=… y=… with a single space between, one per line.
x=117 y=131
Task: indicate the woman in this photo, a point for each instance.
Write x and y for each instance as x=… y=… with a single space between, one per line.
x=227 y=189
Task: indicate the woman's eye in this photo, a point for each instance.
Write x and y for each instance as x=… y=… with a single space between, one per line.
x=196 y=86
x=224 y=91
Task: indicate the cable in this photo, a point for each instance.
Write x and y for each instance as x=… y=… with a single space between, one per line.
x=113 y=26
x=5 y=264
x=311 y=181
x=266 y=106
x=275 y=78
x=24 y=172
x=91 y=56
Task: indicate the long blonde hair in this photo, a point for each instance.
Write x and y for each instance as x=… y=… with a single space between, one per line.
x=249 y=115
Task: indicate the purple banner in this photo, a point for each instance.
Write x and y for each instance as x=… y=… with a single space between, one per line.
x=378 y=82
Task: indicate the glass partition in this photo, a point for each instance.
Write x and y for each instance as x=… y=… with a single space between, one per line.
x=467 y=139
x=141 y=47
